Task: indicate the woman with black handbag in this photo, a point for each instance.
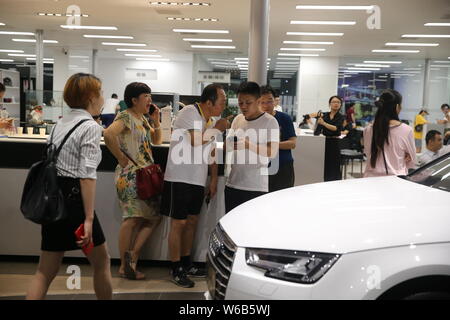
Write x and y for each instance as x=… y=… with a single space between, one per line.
x=129 y=139
x=76 y=168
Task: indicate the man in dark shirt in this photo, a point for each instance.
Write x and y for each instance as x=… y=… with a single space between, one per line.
x=285 y=176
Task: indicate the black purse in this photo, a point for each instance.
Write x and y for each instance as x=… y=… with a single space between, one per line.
x=42 y=199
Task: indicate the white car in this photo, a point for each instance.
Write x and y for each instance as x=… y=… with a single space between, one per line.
x=373 y=238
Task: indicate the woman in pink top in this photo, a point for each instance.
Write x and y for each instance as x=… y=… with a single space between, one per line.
x=388 y=143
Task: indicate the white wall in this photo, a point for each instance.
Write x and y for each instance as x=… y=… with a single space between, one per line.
x=173 y=76
x=439 y=91
x=317 y=82
x=199 y=64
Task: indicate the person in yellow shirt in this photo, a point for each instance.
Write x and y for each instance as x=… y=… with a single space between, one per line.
x=419 y=122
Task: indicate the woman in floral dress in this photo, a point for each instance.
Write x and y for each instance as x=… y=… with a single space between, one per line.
x=131 y=135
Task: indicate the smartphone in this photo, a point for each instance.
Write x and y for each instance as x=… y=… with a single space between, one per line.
x=79 y=233
x=152 y=109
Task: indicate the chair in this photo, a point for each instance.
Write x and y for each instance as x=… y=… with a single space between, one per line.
x=351 y=150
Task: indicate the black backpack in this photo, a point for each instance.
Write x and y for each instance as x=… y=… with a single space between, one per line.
x=42 y=200
x=418 y=128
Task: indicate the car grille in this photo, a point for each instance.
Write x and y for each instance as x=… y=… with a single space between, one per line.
x=220 y=262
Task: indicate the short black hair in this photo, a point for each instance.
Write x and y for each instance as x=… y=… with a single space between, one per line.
x=114 y=96
x=250 y=88
x=210 y=93
x=267 y=90
x=2 y=87
x=337 y=97
x=134 y=90
x=445 y=106
x=431 y=134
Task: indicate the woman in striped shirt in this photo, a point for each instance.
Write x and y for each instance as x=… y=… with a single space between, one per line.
x=77 y=167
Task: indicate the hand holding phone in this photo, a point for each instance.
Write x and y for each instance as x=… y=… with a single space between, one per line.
x=79 y=233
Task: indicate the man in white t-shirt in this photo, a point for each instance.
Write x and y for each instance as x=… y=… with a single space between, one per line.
x=185 y=178
x=252 y=141
x=109 y=110
x=434 y=149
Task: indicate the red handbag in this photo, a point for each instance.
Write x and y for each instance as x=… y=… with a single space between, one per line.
x=149 y=180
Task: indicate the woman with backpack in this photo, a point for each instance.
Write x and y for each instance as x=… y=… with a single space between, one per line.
x=76 y=168
x=388 y=143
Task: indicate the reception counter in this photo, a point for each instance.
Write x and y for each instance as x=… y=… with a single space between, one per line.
x=22 y=237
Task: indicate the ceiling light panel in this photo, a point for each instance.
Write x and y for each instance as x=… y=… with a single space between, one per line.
x=309 y=7
x=188 y=4
x=404 y=44
x=440 y=24
x=207 y=40
x=136 y=50
x=75 y=27
x=302 y=49
x=42 y=14
x=309 y=42
x=396 y=51
x=426 y=36
x=212 y=47
x=124 y=44
x=384 y=62
x=99 y=36
x=34 y=40
x=143 y=55
x=17 y=33
x=11 y=51
x=325 y=23
x=297 y=55
x=316 y=34
x=193 y=19
x=200 y=31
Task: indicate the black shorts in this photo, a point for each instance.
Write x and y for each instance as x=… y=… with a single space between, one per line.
x=60 y=236
x=180 y=200
x=283 y=179
x=236 y=197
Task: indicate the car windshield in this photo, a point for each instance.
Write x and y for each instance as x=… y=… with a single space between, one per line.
x=435 y=174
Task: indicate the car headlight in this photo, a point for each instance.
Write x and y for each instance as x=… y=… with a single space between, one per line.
x=293 y=266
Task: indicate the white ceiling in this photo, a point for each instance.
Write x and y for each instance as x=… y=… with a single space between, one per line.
x=148 y=25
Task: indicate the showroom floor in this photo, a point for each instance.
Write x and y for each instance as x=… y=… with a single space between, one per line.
x=15 y=278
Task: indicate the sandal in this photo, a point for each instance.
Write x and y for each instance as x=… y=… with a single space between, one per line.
x=130 y=272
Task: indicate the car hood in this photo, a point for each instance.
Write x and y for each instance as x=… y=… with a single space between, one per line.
x=342 y=217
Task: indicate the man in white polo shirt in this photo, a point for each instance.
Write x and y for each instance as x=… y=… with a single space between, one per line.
x=434 y=149
x=186 y=175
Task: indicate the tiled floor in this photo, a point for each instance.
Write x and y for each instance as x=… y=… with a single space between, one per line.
x=15 y=278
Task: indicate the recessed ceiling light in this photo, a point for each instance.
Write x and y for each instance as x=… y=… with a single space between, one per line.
x=212 y=47
x=79 y=57
x=17 y=33
x=308 y=7
x=325 y=23
x=404 y=44
x=412 y=69
x=321 y=34
x=301 y=49
x=74 y=27
x=309 y=42
x=11 y=51
x=45 y=59
x=124 y=44
x=193 y=19
x=291 y=59
x=386 y=62
x=297 y=55
x=21 y=55
x=441 y=61
x=154 y=60
x=34 y=40
x=440 y=66
x=143 y=55
x=396 y=51
x=200 y=31
x=99 y=36
x=440 y=24
x=136 y=50
x=163 y=3
x=207 y=40
x=289 y=62
x=6 y=60
x=2 y=24
x=426 y=36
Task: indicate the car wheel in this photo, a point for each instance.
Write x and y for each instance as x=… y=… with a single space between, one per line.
x=428 y=296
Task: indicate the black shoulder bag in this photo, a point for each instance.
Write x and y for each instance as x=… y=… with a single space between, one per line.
x=42 y=200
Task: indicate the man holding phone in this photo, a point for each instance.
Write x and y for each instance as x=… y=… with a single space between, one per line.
x=186 y=175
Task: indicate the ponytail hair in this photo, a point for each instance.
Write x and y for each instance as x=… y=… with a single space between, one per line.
x=387 y=111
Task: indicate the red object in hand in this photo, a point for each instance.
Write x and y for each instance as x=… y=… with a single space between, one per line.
x=79 y=233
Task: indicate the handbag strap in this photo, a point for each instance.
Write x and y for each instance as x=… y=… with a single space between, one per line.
x=385 y=163
x=66 y=137
x=128 y=156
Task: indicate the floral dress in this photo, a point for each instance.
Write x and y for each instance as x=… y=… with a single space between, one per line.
x=135 y=140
